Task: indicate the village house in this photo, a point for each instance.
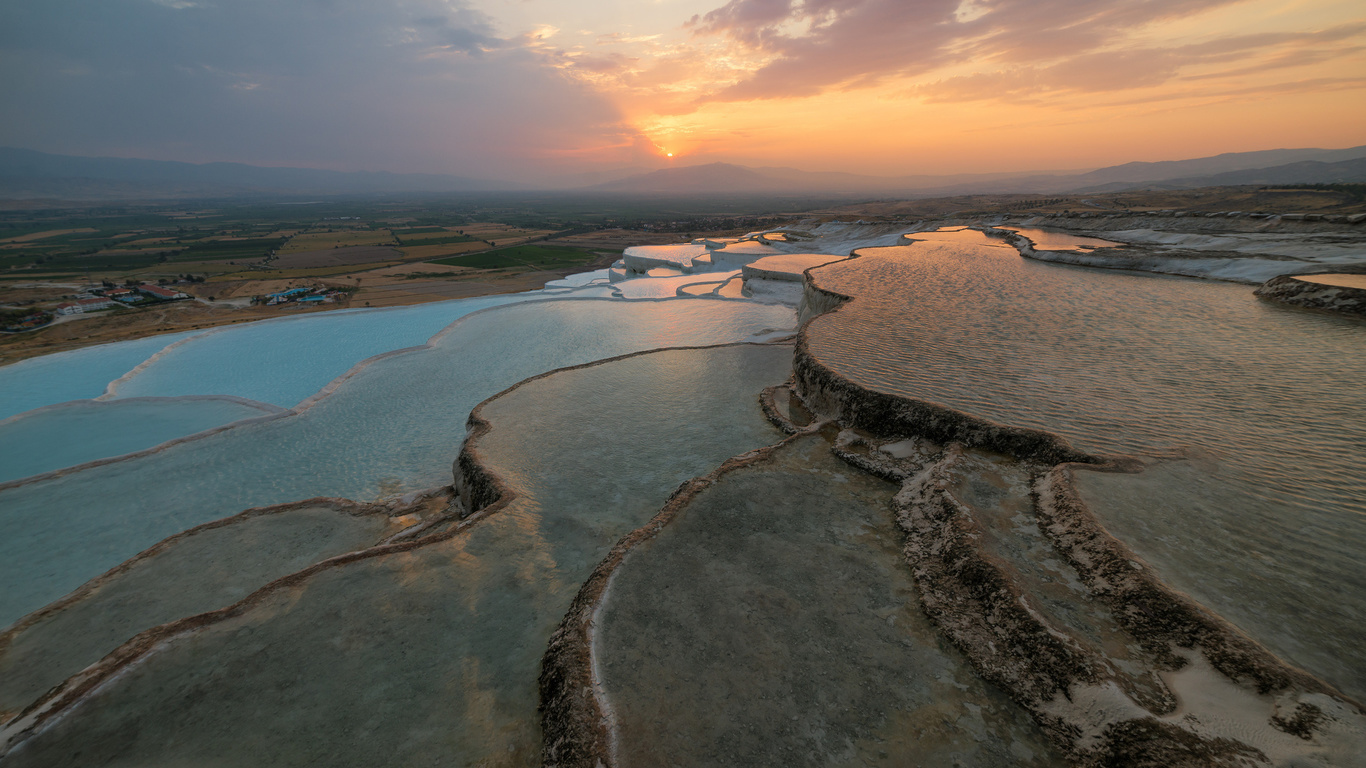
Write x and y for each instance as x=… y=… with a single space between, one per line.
x=83 y=305
x=286 y=296
x=121 y=294
x=158 y=292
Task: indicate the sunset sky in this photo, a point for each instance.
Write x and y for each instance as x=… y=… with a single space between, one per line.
x=541 y=90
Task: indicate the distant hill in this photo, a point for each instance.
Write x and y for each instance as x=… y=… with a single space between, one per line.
x=25 y=173
x=693 y=179
x=730 y=178
x=1219 y=164
x=1290 y=166
x=1305 y=172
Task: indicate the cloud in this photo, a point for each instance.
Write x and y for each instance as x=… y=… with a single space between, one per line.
x=1016 y=46
x=1125 y=69
x=407 y=85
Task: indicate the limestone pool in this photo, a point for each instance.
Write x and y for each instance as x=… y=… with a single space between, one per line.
x=1264 y=517
x=1246 y=419
x=393 y=428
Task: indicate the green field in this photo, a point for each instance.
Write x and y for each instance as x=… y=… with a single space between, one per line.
x=534 y=256
x=121 y=241
x=446 y=239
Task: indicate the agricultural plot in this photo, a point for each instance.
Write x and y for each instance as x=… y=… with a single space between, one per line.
x=531 y=256
x=274 y=274
x=318 y=241
x=238 y=249
x=336 y=257
x=19 y=241
x=429 y=252
x=618 y=239
x=502 y=234
x=441 y=236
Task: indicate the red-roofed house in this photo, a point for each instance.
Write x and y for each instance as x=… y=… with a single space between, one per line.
x=157 y=292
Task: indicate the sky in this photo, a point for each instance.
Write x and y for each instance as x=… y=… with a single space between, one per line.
x=567 y=91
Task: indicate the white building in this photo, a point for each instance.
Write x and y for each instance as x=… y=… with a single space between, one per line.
x=83 y=305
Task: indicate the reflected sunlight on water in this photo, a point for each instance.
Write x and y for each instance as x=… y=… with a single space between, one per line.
x=1271 y=398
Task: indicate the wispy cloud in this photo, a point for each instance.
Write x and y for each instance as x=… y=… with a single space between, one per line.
x=1126 y=69
x=1011 y=46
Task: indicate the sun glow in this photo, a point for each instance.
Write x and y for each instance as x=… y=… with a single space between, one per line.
x=713 y=92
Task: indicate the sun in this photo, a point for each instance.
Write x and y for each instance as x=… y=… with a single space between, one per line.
x=669 y=154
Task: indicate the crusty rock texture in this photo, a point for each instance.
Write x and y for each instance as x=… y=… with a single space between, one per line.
x=833 y=395
x=979 y=605
x=575 y=722
x=1289 y=289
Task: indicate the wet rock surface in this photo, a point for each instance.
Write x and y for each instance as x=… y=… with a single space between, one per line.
x=896 y=582
x=1288 y=289
x=210 y=566
x=1101 y=703
x=776 y=607
x=426 y=651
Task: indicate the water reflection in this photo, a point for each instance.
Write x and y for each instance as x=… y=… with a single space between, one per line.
x=1116 y=362
x=1044 y=240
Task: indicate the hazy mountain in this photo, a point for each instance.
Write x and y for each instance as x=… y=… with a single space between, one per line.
x=693 y=179
x=1300 y=166
x=730 y=178
x=27 y=174
x=1131 y=175
x=594 y=177
x=1306 y=172
x=1219 y=164
x=833 y=181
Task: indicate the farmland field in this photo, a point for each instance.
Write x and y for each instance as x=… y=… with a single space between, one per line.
x=222 y=253
x=335 y=257
x=44 y=235
x=441 y=236
x=317 y=241
x=271 y=274
x=534 y=256
x=428 y=252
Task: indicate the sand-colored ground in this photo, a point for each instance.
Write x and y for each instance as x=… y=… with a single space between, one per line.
x=437 y=251
x=1340 y=281
x=237 y=289
x=500 y=232
x=1204 y=199
x=423 y=269
x=41 y=235
x=94 y=257
x=316 y=272
x=318 y=241
x=617 y=239
x=418 y=237
x=403 y=293
x=417 y=283
x=191 y=267
x=128 y=324
x=389 y=286
x=24 y=293
x=334 y=257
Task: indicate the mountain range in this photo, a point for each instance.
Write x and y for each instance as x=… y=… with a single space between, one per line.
x=1277 y=166
x=27 y=174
